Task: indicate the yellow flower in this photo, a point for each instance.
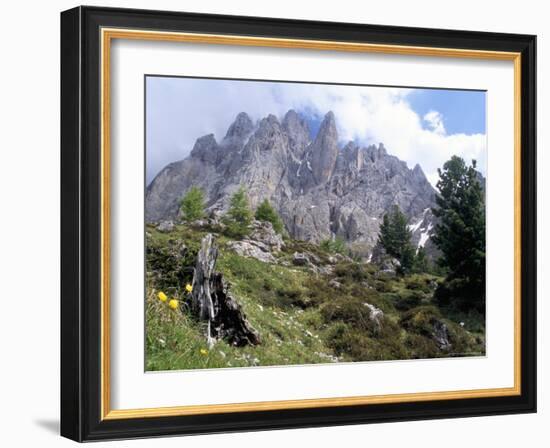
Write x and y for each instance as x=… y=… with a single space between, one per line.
x=188 y=288
x=173 y=304
x=204 y=351
x=162 y=297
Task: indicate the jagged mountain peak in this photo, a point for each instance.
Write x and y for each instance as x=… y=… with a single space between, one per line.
x=298 y=132
x=418 y=173
x=324 y=150
x=241 y=127
x=205 y=148
x=319 y=187
x=350 y=146
x=377 y=152
x=270 y=122
x=294 y=119
x=328 y=127
x=294 y=123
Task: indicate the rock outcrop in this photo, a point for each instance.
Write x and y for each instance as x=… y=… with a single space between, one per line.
x=165 y=226
x=261 y=243
x=324 y=150
x=263 y=232
x=376 y=315
x=252 y=249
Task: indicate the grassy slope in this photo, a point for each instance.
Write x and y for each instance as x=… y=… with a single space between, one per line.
x=300 y=317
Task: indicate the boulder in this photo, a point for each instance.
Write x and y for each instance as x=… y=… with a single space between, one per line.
x=323 y=270
x=311 y=261
x=252 y=249
x=427 y=321
x=263 y=232
x=389 y=266
x=165 y=226
x=300 y=259
x=376 y=314
x=199 y=223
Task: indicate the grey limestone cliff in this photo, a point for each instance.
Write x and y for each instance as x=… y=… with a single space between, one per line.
x=321 y=189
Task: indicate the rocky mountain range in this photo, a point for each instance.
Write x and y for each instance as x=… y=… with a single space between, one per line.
x=320 y=188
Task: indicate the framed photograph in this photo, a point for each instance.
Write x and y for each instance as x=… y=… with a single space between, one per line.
x=276 y=224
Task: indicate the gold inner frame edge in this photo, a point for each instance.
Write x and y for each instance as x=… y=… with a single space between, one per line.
x=107 y=35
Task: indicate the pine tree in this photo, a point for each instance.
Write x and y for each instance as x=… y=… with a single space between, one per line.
x=265 y=212
x=239 y=215
x=407 y=258
x=460 y=235
x=192 y=204
x=421 y=263
x=395 y=238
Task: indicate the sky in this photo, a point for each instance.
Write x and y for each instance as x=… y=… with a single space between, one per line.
x=418 y=125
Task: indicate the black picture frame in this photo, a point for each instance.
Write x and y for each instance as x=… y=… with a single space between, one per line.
x=81 y=224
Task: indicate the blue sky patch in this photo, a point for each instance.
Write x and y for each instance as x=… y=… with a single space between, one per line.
x=463 y=111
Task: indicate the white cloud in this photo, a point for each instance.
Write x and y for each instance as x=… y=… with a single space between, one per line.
x=435 y=122
x=186 y=109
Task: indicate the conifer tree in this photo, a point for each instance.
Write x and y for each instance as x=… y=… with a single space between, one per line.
x=460 y=235
x=395 y=238
x=265 y=212
x=192 y=204
x=421 y=261
x=239 y=215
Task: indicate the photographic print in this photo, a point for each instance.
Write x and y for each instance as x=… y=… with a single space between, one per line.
x=307 y=205
x=291 y=223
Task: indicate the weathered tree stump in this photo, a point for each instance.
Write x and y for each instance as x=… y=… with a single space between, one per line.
x=212 y=302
